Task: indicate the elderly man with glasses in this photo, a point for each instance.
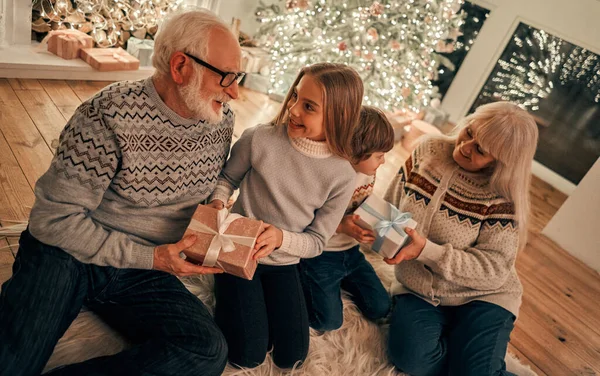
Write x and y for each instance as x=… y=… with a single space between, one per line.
x=133 y=162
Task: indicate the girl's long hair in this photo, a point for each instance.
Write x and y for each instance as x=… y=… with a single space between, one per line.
x=342 y=95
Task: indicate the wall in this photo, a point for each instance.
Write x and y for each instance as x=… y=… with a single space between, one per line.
x=15 y=22
x=576 y=225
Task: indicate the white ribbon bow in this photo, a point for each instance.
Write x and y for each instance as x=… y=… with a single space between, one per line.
x=118 y=57
x=220 y=241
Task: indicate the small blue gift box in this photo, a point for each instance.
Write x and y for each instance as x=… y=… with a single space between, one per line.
x=387 y=222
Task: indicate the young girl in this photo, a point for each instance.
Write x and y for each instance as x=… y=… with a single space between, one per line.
x=293 y=174
x=458 y=293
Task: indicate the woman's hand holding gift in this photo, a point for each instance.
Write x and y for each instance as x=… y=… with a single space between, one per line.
x=410 y=251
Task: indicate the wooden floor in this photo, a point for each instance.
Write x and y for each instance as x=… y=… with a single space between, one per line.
x=558 y=331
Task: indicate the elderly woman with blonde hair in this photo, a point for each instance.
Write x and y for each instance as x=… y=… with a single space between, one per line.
x=457 y=292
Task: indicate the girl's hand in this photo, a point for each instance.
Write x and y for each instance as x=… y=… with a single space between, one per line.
x=349 y=227
x=269 y=240
x=410 y=251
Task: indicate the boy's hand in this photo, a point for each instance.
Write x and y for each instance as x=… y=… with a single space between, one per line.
x=349 y=227
x=269 y=240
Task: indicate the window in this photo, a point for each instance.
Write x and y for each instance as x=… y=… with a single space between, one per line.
x=559 y=84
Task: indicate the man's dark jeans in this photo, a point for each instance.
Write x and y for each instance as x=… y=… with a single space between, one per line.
x=172 y=332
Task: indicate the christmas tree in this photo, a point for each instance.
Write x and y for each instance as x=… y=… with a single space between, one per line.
x=392 y=44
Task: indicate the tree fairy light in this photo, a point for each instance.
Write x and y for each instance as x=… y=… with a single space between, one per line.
x=391 y=44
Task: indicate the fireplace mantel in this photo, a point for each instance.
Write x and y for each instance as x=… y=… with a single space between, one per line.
x=22 y=58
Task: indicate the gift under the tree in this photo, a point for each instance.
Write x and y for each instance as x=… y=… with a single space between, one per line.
x=416 y=129
x=387 y=222
x=67 y=43
x=399 y=121
x=224 y=240
x=254 y=59
x=141 y=49
x=109 y=59
x=435 y=116
x=257 y=82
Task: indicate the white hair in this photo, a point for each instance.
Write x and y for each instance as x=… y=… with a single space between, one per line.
x=187 y=31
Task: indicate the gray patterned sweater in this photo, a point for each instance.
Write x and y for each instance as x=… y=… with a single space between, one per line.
x=127 y=176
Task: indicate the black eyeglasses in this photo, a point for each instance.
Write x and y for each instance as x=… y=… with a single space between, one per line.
x=227 y=78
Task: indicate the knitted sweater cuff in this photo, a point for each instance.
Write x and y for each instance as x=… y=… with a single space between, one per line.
x=142 y=256
x=287 y=241
x=222 y=192
x=431 y=253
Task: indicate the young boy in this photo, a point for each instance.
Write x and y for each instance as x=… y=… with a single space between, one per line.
x=342 y=265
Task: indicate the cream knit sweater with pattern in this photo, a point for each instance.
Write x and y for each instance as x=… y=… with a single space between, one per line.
x=472 y=239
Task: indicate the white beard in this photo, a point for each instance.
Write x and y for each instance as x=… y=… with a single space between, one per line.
x=200 y=104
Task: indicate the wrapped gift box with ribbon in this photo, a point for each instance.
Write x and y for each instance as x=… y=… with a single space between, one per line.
x=257 y=82
x=224 y=240
x=141 y=49
x=254 y=59
x=109 y=59
x=67 y=43
x=387 y=222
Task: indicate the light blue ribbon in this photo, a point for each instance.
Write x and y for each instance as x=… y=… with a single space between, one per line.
x=397 y=220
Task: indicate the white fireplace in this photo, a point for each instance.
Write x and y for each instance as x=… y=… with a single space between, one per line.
x=20 y=57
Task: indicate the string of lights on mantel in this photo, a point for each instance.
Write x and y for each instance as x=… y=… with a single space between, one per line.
x=107 y=21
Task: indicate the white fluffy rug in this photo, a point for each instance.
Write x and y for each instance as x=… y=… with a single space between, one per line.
x=357 y=348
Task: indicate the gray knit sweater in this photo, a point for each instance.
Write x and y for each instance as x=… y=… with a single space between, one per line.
x=297 y=185
x=127 y=176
